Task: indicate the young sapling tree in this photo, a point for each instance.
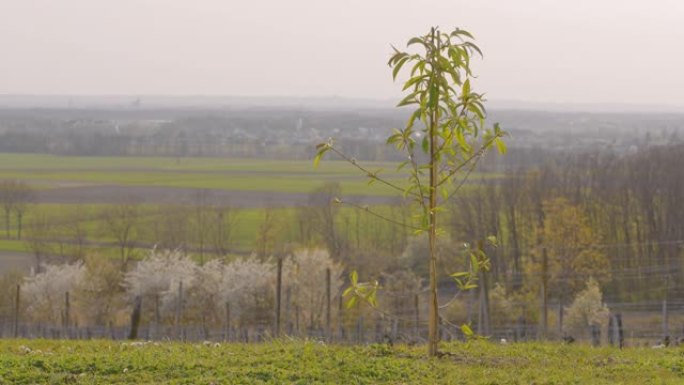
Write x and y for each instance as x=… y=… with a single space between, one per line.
x=447 y=125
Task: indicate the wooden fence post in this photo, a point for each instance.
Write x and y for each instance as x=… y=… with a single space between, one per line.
x=340 y=318
x=227 y=331
x=279 y=287
x=135 y=319
x=417 y=316
x=287 y=318
x=67 y=309
x=359 y=330
x=615 y=332
x=620 y=331
x=666 y=326
x=327 y=303
x=297 y=319
x=17 y=299
x=560 y=318
x=545 y=295
x=595 y=335
x=179 y=305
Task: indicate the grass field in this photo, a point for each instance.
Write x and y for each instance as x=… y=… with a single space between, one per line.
x=69 y=176
x=206 y=173
x=300 y=362
x=246 y=224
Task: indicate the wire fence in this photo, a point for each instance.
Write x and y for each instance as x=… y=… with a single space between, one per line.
x=400 y=318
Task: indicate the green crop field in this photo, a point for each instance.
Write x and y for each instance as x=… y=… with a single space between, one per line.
x=47 y=171
x=245 y=234
x=63 y=176
x=301 y=362
x=205 y=173
x=246 y=223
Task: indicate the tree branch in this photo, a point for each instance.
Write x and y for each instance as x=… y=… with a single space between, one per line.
x=475 y=155
x=369 y=173
x=371 y=212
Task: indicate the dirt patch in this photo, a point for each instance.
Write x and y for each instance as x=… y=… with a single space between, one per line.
x=110 y=194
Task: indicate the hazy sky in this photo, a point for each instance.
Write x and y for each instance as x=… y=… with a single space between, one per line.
x=580 y=51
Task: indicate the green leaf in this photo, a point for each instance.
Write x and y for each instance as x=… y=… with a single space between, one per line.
x=351 y=302
x=425 y=144
x=463 y=32
x=474 y=263
x=473 y=47
x=354 y=277
x=319 y=155
x=397 y=67
x=416 y=114
x=500 y=145
x=416 y=40
x=414 y=80
x=465 y=89
x=396 y=57
x=475 y=109
x=467 y=331
x=444 y=192
x=409 y=99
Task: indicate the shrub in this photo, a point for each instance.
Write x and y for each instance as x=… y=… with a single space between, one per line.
x=586 y=310
x=99 y=293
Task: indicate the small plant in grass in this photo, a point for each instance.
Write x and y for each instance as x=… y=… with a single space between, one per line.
x=442 y=141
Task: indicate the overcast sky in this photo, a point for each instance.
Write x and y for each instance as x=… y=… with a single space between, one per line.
x=579 y=51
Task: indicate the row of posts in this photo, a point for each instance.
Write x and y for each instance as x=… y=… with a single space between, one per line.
x=615 y=329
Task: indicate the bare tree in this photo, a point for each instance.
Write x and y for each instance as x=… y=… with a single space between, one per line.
x=201 y=205
x=15 y=196
x=268 y=232
x=23 y=197
x=7 y=200
x=223 y=222
x=41 y=231
x=120 y=222
x=74 y=228
x=320 y=216
x=173 y=231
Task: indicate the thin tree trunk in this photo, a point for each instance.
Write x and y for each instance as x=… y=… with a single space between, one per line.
x=19 y=220
x=433 y=332
x=7 y=224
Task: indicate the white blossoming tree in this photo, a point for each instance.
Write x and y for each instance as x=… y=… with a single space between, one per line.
x=205 y=300
x=247 y=285
x=44 y=293
x=157 y=278
x=306 y=275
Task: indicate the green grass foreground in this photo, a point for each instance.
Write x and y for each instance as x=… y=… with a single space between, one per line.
x=298 y=362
